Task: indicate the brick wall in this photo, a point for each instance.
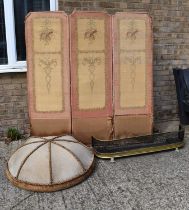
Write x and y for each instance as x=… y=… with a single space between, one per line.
x=13 y=102
x=171 y=49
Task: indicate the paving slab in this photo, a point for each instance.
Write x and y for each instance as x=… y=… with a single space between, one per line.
x=158 y=181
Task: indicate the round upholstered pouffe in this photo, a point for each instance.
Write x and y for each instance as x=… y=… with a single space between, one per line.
x=50 y=163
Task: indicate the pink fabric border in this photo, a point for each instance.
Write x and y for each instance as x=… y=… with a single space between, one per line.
x=148 y=109
x=107 y=111
x=66 y=71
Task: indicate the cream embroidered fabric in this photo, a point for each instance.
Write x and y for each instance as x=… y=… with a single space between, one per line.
x=48 y=60
x=90 y=92
x=50 y=163
x=132 y=79
x=132 y=57
x=91 y=66
x=48 y=86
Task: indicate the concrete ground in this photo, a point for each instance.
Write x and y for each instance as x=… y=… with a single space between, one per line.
x=154 y=181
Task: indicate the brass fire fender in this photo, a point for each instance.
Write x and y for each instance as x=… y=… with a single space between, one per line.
x=138 y=145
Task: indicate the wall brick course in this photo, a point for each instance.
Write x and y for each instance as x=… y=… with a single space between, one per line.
x=13 y=103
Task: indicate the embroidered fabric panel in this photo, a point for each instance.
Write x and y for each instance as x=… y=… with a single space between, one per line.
x=48 y=88
x=91 y=58
x=48 y=59
x=47 y=34
x=132 y=71
x=132 y=79
x=91 y=81
x=132 y=66
x=91 y=64
x=47 y=44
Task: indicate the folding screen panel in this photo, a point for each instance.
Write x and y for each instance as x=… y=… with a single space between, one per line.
x=47 y=42
x=91 y=75
x=132 y=67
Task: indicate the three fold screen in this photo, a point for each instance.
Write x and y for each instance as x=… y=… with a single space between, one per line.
x=89 y=74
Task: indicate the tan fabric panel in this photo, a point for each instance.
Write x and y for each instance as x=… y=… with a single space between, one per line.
x=91 y=33
x=85 y=128
x=48 y=83
x=132 y=73
x=135 y=125
x=132 y=32
x=91 y=81
x=47 y=45
x=132 y=79
x=42 y=127
x=91 y=73
x=132 y=62
x=47 y=34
